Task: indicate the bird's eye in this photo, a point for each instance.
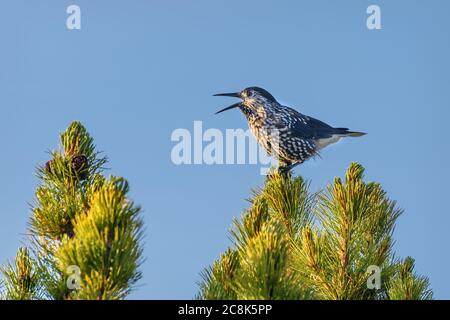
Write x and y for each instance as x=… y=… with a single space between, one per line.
x=248 y=93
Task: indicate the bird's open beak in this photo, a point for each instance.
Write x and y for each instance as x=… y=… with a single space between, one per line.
x=234 y=95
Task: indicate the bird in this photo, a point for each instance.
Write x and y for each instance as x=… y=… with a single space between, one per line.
x=283 y=132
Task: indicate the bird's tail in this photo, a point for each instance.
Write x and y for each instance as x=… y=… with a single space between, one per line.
x=346 y=133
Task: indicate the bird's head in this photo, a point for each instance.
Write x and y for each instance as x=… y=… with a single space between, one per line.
x=253 y=98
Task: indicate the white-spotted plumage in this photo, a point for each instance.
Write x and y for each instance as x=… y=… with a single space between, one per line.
x=284 y=132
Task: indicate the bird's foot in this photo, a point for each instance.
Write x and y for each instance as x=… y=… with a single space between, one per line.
x=281 y=171
x=285 y=170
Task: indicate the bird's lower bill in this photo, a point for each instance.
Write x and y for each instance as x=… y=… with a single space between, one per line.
x=236 y=105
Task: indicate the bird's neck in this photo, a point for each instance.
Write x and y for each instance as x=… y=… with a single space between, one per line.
x=255 y=111
x=253 y=114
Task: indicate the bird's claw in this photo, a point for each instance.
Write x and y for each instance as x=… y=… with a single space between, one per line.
x=284 y=171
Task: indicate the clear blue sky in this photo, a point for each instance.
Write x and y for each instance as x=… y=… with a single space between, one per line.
x=137 y=70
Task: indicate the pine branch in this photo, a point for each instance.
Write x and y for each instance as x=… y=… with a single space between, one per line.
x=105 y=245
x=259 y=264
x=82 y=221
x=293 y=245
x=407 y=285
x=21 y=281
x=356 y=222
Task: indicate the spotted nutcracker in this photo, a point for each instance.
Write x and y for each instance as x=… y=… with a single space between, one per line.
x=282 y=131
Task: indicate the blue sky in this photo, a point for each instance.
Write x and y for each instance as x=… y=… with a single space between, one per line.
x=137 y=70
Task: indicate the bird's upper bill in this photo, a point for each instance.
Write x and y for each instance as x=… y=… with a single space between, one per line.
x=234 y=95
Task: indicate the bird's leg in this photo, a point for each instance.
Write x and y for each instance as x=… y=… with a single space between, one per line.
x=284 y=171
x=285 y=168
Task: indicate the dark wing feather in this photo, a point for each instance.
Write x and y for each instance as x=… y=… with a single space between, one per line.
x=309 y=127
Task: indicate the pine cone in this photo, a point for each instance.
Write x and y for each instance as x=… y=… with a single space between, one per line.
x=80 y=165
x=48 y=166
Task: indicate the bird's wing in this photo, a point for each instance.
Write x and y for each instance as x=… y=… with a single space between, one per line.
x=291 y=142
x=307 y=127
